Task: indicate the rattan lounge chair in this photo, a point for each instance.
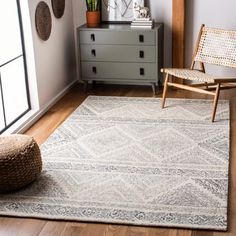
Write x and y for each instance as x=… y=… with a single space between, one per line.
x=214 y=46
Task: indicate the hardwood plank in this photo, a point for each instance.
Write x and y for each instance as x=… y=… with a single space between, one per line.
x=82 y=229
x=137 y=231
x=20 y=226
x=10 y=226
x=183 y=232
x=160 y=232
x=116 y=230
x=53 y=228
x=223 y=234
x=202 y=233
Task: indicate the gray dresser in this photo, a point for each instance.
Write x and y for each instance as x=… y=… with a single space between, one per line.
x=117 y=52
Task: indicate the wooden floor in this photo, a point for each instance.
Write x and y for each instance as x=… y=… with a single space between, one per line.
x=10 y=226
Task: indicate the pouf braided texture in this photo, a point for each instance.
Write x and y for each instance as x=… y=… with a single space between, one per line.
x=20 y=162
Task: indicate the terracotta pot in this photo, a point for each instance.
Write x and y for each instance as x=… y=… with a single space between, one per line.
x=93 y=18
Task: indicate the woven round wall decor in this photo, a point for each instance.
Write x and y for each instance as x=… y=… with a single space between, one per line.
x=58 y=7
x=43 y=20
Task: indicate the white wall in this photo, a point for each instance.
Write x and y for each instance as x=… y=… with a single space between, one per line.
x=161 y=11
x=79 y=12
x=79 y=15
x=212 y=13
x=54 y=58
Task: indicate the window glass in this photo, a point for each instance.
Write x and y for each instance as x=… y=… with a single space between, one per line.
x=14 y=89
x=10 y=40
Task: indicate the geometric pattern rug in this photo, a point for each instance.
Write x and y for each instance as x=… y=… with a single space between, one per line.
x=124 y=160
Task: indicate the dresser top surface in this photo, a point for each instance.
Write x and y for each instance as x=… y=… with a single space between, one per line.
x=118 y=27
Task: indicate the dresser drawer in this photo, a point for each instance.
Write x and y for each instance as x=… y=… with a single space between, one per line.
x=133 y=37
x=109 y=70
x=118 y=53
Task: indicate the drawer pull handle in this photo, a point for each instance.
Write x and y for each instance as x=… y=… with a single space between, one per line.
x=92 y=37
x=94 y=69
x=141 y=38
x=93 y=52
x=141 y=54
x=141 y=71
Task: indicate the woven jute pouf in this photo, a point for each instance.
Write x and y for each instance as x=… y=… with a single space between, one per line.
x=20 y=162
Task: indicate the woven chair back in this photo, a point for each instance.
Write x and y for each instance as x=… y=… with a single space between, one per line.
x=217 y=47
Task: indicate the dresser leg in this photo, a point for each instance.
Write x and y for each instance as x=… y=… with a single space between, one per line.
x=85 y=86
x=93 y=84
x=154 y=89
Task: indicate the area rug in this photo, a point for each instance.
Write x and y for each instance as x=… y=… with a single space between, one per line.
x=124 y=160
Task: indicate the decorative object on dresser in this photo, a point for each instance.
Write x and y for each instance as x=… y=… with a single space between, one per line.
x=141 y=12
x=142 y=23
x=93 y=14
x=123 y=160
x=117 y=53
x=142 y=18
x=117 y=11
x=136 y=3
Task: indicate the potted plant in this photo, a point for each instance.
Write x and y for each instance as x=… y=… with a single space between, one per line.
x=93 y=14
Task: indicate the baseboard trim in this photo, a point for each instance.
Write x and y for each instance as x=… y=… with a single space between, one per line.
x=39 y=113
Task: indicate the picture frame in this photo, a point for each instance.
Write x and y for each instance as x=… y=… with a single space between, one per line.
x=118 y=11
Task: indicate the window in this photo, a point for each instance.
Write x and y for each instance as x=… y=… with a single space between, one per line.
x=14 y=95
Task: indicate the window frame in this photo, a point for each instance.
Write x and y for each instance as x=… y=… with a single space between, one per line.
x=23 y=55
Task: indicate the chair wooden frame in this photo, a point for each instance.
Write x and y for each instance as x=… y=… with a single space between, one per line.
x=212 y=88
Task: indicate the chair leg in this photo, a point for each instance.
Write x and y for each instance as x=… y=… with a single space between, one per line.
x=165 y=91
x=216 y=98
